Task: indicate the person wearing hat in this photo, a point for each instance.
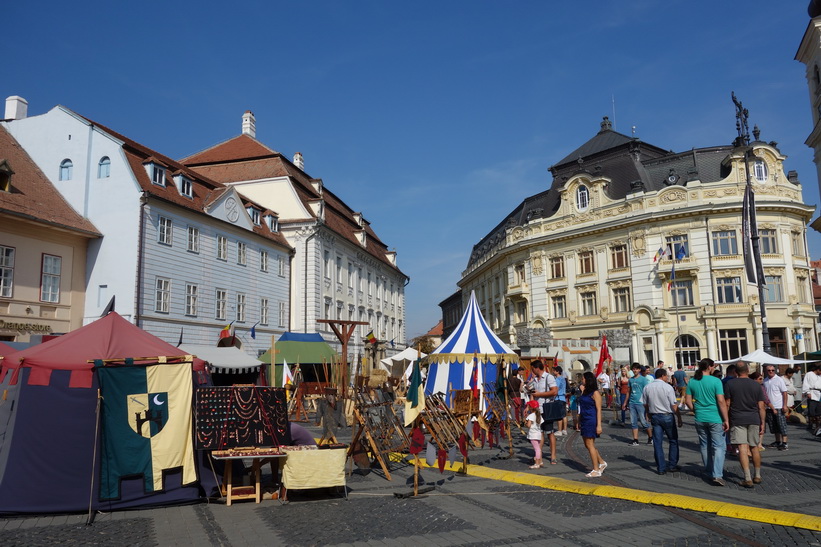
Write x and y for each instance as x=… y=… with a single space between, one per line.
x=533 y=422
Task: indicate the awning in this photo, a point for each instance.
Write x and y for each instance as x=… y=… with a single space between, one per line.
x=225 y=360
x=760 y=356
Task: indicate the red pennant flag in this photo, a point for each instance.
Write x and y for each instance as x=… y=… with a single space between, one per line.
x=604 y=355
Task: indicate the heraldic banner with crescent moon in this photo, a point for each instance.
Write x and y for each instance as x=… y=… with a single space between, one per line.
x=146 y=425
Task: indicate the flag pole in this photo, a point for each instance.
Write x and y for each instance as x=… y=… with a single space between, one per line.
x=743 y=139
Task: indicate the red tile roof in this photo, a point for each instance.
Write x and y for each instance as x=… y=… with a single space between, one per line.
x=33 y=196
x=437 y=330
x=204 y=190
x=223 y=163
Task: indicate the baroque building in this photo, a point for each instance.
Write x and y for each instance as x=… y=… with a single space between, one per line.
x=341 y=269
x=183 y=255
x=645 y=245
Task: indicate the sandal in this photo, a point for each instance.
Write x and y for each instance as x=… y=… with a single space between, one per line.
x=602 y=466
x=536 y=466
x=593 y=474
x=554 y=462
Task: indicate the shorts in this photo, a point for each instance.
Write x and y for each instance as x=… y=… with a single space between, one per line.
x=745 y=434
x=777 y=422
x=547 y=427
x=813 y=408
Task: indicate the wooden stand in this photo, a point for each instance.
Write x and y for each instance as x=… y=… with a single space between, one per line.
x=254 y=491
x=382 y=439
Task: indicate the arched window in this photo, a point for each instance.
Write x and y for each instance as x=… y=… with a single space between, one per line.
x=760 y=170
x=687 y=351
x=582 y=198
x=66 y=168
x=104 y=168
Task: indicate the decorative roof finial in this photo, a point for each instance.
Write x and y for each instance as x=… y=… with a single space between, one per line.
x=605 y=124
x=756 y=132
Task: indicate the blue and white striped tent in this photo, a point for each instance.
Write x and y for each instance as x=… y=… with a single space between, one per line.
x=451 y=364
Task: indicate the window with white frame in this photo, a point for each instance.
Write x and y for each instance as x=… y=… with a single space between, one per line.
x=621 y=300
x=361 y=281
x=282 y=314
x=254 y=213
x=339 y=270
x=263 y=261
x=50 y=281
x=157 y=175
x=263 y=311
x=221 y=300
x=6 y=271
x=66 y=169
x=222 y=248
x=768 y=242
x=677 y=245
x=797 y=243
x=618 y=257
x=165 y=231
x=760 y=170
x=242 y=253
x=801 y=290
x=556 y=267
x=587 y=264
x=724 y=243
x=370 y=285
x=281 y=265
x=521 y=311
x=589 y=306
x=729 y=290
x=186 y=187
x=350 y=275
x=774 y=290
x=162 y=295
x=559 y=305
x=327 y=264
x=681 y=292
x=688 y=353
x=191 y=291
x=104 y=168
x=240 y=317
x=193 y=239
x=582 y=198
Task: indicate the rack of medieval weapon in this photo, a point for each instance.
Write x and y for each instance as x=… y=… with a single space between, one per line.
x=377 y=428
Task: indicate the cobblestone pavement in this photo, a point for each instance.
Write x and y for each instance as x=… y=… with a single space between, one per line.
x=467 y=510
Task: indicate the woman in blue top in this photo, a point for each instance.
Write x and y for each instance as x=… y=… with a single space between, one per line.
x=590 y=421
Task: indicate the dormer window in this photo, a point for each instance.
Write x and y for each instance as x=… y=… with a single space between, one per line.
x=254 y=214
x=5 y=176
x=582 y=198
x=184 y=186
x=104 y=168
x=157 y=175
x=272 y=222
x=760 y=171
x=66 y=169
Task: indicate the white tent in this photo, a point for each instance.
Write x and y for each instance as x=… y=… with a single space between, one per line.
x=224 y=360
x=760 y=356
x=397 y=365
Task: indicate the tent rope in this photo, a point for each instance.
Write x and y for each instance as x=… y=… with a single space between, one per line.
x=94 y=461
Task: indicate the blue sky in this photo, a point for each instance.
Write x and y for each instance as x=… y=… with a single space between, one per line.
x=435 y=119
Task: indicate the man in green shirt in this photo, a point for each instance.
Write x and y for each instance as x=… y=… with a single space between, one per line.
x=705 y=397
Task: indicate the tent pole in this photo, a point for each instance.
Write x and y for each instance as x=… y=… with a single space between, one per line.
x=90 y=519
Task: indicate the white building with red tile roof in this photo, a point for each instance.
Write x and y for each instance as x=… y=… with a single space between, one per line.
x=183 y=255
x=341 y=269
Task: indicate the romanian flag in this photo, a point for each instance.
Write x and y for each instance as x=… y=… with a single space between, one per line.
x=661 y=253
x=370 y=338
x=226 y=330
x=146 y=425
x=474 y=379
x=672 y=277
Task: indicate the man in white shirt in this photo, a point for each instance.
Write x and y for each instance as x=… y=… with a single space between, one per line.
x=604 y=386
x=659 y=400
x=777 y=411
x=545 y=391
x=811 y=388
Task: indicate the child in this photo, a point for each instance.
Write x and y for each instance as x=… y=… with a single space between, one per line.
x=574 y=407
x=533 y=422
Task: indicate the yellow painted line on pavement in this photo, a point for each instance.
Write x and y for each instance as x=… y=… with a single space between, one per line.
x=720 y=508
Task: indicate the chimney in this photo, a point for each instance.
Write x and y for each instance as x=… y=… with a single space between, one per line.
x=249 y=124
x=298 y=161
x=17 y=108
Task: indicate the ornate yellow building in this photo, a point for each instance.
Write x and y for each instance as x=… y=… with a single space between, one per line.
x=582 y=259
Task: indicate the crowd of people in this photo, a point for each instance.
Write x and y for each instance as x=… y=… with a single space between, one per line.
x=731 y=410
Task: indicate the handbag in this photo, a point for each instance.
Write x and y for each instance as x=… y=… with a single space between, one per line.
x=554 y=411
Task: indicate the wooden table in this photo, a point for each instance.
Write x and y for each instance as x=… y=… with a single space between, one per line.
x=254 y=491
